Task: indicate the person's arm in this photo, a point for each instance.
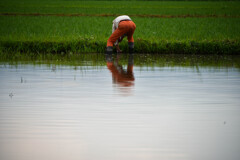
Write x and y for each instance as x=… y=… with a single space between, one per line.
x=118 y=49
x=113 y=27
x=117 y=43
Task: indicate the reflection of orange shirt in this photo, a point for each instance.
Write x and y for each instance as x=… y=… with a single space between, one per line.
x=120 y=76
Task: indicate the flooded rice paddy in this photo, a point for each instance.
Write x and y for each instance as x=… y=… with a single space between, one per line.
x=121 y=108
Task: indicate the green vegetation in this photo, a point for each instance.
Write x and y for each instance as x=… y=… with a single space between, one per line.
x=60 y=26
x=141 y=60
x=121 y=7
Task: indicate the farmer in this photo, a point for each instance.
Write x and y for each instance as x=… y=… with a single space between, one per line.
x=122 y=26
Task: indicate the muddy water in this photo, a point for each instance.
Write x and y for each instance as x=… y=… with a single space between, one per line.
x=118 y=112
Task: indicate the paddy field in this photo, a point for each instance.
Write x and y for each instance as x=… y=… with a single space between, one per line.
x=179 y=27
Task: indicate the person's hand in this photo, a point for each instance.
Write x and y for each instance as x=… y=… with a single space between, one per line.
x=118 y=49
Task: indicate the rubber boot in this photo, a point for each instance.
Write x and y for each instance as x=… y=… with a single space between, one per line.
x=131 y=50
x=131 y=47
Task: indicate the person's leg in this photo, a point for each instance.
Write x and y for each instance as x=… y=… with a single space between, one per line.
x=115 y=35
x=130 y=37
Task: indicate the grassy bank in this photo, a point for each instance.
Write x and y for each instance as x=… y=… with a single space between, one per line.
x=196 y=27
x=141 y=46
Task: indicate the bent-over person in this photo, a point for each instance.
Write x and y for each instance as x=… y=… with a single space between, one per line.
x=122 y=26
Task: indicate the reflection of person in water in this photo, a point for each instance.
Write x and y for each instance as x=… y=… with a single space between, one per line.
x=125 y=78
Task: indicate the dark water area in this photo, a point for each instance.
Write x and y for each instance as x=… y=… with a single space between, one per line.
x=120 y=107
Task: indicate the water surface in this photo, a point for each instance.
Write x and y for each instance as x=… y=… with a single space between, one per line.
x=118 y=109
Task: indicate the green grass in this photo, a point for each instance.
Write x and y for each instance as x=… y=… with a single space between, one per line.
x=141 y=60
x=90 y=33
x=122 y=7
x=99 y=28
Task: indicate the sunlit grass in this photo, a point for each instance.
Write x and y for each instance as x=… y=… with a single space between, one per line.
x=90 y=33
x=99 y=28
x=122 y=7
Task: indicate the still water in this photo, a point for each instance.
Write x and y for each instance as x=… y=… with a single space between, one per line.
x=119 y=112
